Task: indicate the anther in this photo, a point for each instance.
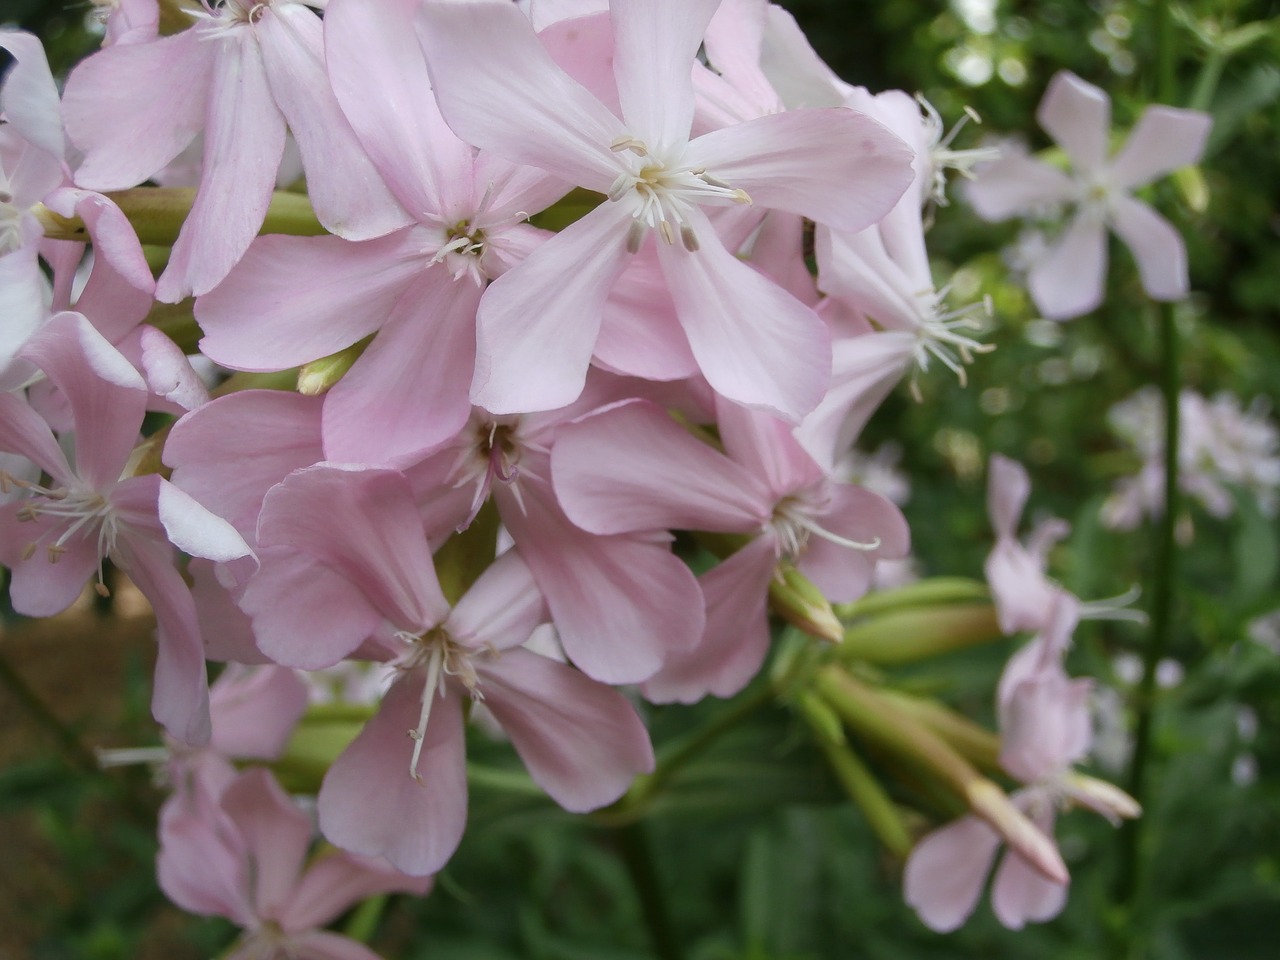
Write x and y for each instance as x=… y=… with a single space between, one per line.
x=668 y=234
x=688 y=238
x=635 y=236
x=629 y=142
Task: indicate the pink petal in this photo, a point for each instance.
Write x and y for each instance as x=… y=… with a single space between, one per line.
x=1021 y=893
x=1008 y=488
x=39 y=587
x=230 y=453
x=501 y=91
x=944 y=875
x=502 y=608
x=1015 y=183
x=168 y=372
x=536 y=358
x=254 y=710
x=107 y=397
x=22 y=304
x=370 y=804
x=580 y=739
x=363 y=525
x=227 y=630
x=620 y=604
x=276 y=836
x=864 y=370
x=421 y=360
x=201 y=864
x=23 y=431
x=836 y=167
x=29 y=97
x=345 y=189
x=195 y=530
x=180 y=699
x=132 y=108
x=1078 y=117
x=1155 y=243
x=736 y=640
x=755 y=343
x=1164 y=140
x=1068 y=280
x=640 y=335
x=656 y=43
x=305 y=615
x=118 y=294
x=243 y=143
x=337 y=880
x=631 y=468
x=380 y=78
x=855 y=513
x=733 y=44
x=292 y=300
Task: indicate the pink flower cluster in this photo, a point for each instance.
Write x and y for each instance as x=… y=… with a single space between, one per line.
x=666 y=362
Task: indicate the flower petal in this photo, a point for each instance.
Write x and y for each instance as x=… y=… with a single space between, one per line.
x=1156 y=244
x=756 y=344
x=501 y=91
x=370 y=804
x=134 y=107
x=1069 y=280
x=1078 y=117
x=538 y=322
x=580 y=739
x=655 y=45
x=292 y=300
x=944 y=875
x=1164 y=140
x=243 y=144
x=836 y=167
x=343 y=185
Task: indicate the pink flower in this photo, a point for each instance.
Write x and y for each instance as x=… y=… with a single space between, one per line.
x=1068 y=279
x=54 y=539
x=756 y=344
x=242 y=854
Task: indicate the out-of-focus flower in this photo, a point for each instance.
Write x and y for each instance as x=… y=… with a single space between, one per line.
x=1221 y=446
x=1068 y=280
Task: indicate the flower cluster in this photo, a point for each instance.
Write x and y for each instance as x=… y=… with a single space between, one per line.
x=634 y=430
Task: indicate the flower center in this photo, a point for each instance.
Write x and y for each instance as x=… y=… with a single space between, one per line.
x=441 y=656
x=662 y=193
x=793 y=523
x=462 y=252
x=76 y=513
x=941 y=333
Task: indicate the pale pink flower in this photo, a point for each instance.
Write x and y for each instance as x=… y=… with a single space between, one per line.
x=1068 y=280
x=242 y=854
x=242 y=73
x=757 y=345
x=54 y=539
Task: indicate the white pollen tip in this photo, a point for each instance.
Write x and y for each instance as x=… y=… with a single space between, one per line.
x=101 y=590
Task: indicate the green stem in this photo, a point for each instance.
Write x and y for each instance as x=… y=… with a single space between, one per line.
x=1163 y=575
x=858 y=781
x=633 y=844
x=1129 y=875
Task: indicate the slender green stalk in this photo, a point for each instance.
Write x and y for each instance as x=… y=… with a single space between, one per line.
x=1164 y=572
x=858 y=781
x=633 y=844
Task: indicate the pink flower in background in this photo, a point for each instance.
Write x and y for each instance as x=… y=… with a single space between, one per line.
x=242 y=854
x=1068 y=279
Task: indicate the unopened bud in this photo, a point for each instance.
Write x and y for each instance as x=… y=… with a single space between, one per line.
x=795 y=599
x=316 y=377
